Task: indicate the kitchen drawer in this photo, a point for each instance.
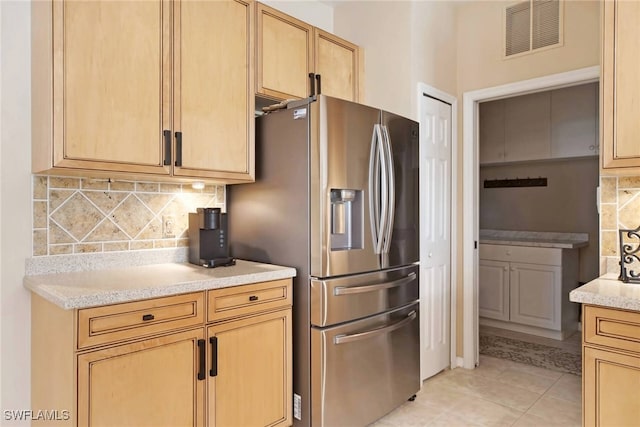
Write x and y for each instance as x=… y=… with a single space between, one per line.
x=111 y=323
x=612 y=328
x=528 y=254
x=248 y=299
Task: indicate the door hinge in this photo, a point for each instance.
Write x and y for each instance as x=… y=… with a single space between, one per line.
x=475 y=244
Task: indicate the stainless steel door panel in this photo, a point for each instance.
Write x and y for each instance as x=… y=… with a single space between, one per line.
x=404 y=145
x=364 y=369
x=340 y=142
x=347 y=298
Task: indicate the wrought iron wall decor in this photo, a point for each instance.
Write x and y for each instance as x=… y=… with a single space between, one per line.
x=629 y=254
x=517 y=182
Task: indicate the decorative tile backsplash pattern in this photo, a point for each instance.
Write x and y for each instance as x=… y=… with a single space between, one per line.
x=79 y=215
x=619 y=208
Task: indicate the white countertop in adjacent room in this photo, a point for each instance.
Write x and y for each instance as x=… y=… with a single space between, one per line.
x=542 y=239
x=608 y=291
x=81 y=289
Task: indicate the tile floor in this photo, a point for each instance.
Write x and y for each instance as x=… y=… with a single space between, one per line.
x=497 y=393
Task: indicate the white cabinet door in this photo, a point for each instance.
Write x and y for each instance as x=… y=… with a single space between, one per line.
x=535 y=293
x=527 y=129
x=493 y=286
x=574 y=119
x=491 y=123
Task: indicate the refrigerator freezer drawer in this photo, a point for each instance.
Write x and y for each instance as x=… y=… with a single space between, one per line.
x=344 y=299
x=364 y=369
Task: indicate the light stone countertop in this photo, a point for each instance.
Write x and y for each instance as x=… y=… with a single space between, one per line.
x=541 y=239
x=81 y=289
x=608 y=291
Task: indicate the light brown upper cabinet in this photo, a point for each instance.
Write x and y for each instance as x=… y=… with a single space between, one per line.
x=288 y=50
x=158 y=88
x=620 y=88
x=336 y=60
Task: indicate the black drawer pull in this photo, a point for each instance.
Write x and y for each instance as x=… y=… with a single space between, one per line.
x=201 y=348
x=253 y=298
x=167 y=147
x=179 y=149
x=214 y=356
x=147 y=317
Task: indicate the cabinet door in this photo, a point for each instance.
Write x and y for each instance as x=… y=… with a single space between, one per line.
x=491 y=131
x=620 y=86
x=213 y=102
x=147 y=383
x=527 y=129
x=250 y=377
x=611 y=388
x=336 y=60
x=535 y=295
x=493 y=289
x=111 y=75
x=284 y=54
x=574 y=116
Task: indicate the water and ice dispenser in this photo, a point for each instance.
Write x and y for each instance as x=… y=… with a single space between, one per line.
x=346 y=219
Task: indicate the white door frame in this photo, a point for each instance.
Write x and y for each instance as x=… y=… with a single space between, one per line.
x=470 y=187
x=425 y=89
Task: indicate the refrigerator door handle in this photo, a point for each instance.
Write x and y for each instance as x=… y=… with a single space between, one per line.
x=343 y=339
x=391 y=200
x=375 y=166
x=350 y=290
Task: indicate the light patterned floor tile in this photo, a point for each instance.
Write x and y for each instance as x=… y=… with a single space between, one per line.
x=492 y=396
x=411 y=414
x=556 y=410
x=486 y=413
x=530 y=420
x=491 y=389
x=531 y=382
x=568 y=387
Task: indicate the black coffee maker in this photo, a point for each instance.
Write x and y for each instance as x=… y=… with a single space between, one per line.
x=208 y=243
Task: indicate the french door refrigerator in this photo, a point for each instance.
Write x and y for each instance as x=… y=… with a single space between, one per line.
x=336 y=197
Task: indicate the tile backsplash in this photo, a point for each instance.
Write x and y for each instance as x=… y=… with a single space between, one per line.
x=79 y=215
x=619 y=209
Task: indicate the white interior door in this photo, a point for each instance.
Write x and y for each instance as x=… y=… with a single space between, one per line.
x=435 y=242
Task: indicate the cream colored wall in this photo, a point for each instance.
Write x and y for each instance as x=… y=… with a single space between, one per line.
x=15 y=210
x=480 y=41
x=404 y=43
x=387 y=50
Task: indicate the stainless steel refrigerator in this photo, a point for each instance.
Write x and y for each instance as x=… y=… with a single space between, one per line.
x=336 y=196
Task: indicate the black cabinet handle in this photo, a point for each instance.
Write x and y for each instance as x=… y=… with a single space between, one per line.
x=253 y=298
x=147 y=317
x=214 y=356
x=201 y=348
x=318 y=84
x=312 y=85
x=167 y=147
x=178 y=148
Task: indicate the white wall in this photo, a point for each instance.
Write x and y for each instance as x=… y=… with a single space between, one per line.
x=15 y=207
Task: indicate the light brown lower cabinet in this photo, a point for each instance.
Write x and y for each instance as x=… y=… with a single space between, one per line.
x=611 y=367
x=159 y=362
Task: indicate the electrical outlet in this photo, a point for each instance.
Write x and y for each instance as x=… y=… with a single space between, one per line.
x=297 y=406
x=168 y=226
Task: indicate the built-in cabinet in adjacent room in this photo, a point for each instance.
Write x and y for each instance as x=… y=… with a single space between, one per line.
x=539 y=173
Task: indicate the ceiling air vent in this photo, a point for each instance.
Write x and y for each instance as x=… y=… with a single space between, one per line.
x=532 y=25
